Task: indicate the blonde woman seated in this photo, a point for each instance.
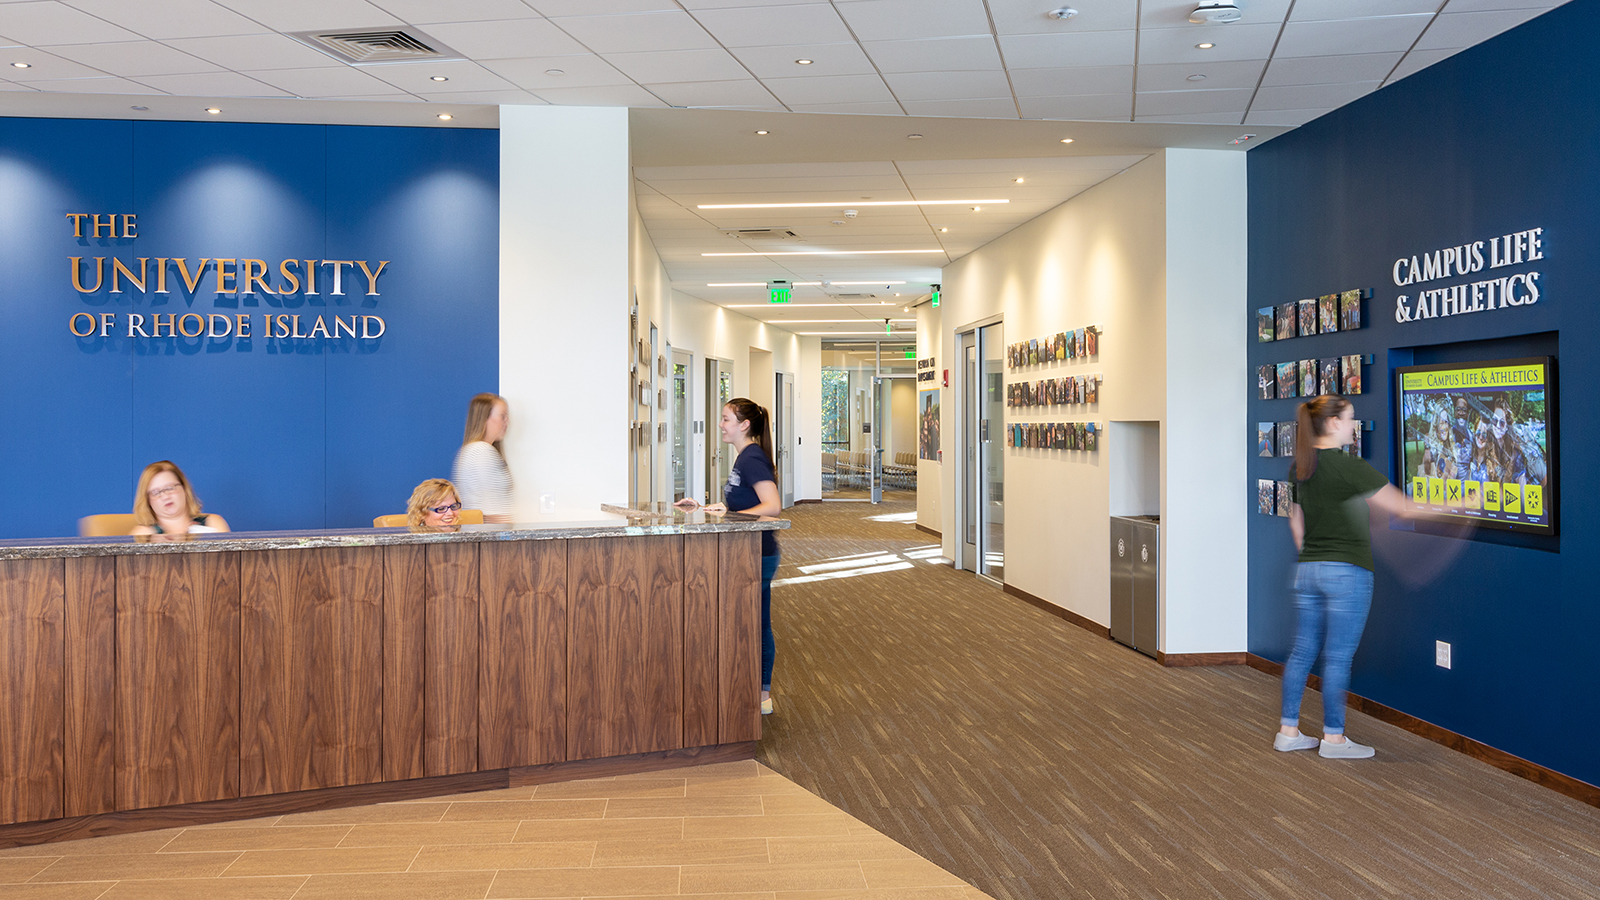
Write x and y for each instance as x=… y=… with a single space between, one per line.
x=165 y=504
x=434 y=505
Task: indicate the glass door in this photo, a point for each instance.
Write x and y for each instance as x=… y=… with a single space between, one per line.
x=969 y=451
x=680 y=424
x=992 y=557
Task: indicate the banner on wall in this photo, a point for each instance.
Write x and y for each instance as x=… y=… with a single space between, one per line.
x=928 y=424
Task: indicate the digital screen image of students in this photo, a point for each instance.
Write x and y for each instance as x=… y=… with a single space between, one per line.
x=1478 y=453
x=165 y=504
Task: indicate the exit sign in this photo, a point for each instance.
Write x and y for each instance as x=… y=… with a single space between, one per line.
x=934 y=294
x=778 y=291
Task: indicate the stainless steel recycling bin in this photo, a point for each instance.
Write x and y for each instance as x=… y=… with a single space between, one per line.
x=1136 y=581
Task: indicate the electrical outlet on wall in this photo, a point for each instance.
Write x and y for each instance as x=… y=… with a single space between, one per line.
x=1441 y=654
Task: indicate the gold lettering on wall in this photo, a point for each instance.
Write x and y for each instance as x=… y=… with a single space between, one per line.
x=109 y=225
x=192 y=283
x=72 y=324
x=99 y=274
x=254 y=272
x=117 y=268
x=161 y=275
x=372 y=277
x=289 y=276
x=311 y=277
x=77 y=223
x=224 y=276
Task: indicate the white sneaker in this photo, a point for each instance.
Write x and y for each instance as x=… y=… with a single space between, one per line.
x=1345 y=749
x=1283 y=743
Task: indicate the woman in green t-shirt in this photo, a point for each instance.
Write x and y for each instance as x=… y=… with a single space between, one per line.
x=1333 y=579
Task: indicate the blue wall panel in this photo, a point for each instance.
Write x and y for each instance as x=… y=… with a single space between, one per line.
x=275 y=432
x=1497 y=139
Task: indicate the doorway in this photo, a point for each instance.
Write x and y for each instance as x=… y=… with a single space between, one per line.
x=783 y=435
x=681 y=426
x=981 y=474
x=719 y=390
x=869 y=425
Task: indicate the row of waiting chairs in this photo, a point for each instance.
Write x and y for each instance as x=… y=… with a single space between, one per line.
x=844 y=470
x=115 y=524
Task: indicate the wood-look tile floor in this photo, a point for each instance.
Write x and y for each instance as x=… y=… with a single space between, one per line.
x=730 y=831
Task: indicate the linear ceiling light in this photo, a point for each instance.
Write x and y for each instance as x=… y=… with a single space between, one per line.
x=794 y=305
x=843 y=203
x=830 y=321
x=796 y=283
x=833 y=333
x=821 y=253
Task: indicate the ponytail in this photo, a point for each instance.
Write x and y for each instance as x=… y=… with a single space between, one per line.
x=1311 y=422
x=760 y=430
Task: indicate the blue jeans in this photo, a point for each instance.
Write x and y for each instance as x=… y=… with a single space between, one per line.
x=1333 y=599
x=769 y=647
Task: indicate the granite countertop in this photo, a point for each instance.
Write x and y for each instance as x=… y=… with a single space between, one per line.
x=618 y=521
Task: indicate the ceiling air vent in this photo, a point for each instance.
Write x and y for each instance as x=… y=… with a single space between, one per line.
x=763 y=234
x=852 y=296
x=385 y=45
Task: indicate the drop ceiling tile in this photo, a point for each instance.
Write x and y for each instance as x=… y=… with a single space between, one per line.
x=1417 y=60
x=1286 y=117
x=588 y=7
x=1228 y=118
x=418 y=77
x=135 y=58
x=1084 y=106
x=826 y=59
x=333 y=81
x=829 y=89
x=654 y=174
x=305 y=15
x=170 y=18
x=715 y=93
x=1330 y=69
x=615 y=95
x=1218 y=75
x=867 y=108
x=1061 y=164
x=774 y=25
x=507 y=39
x=1312 y=96
x=975 y=52
x=638 y=32
x=1458 y=6
x=1030 y=16
x=1168 y=103
x=425 y=12
x=90 y=86
x=843 y=185
x=661 y=66
x=1452 y=30
x=253 y=51
x=948 y=86
x=1174 y=14
x=1334 y=10
x=212 y=84
x=1352 y=36
x=581 y=71
x=1070 y=81
x=1053 y=51
x=12 y=86
x=46 y=22
x=44 y=66
x=897 y=20
x=999 y=108
x=1233 y=42
x=493 y=98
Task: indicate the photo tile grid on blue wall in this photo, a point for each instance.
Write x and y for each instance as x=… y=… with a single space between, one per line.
x=1495 y=141
x=274 y=432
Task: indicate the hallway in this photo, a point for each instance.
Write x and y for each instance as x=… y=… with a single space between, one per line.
x=1036 y=761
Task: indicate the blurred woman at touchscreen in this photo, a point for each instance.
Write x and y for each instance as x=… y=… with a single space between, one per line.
x=434 y=504
x=165 y=504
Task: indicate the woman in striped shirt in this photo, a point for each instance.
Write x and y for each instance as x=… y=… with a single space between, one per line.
x=480 y=471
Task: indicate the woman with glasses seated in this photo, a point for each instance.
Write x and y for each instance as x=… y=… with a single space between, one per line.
x=434 y=505
x=165 y=504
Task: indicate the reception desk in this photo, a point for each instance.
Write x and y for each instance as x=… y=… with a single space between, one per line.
x=147 y=683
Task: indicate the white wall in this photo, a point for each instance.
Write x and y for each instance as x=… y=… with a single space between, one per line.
x=651 y=287
x=564 y=181
x=1155 y=256
x=1205 y=476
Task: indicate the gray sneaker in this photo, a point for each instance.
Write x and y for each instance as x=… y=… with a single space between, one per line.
x=1283 y=743
x=1345 y=749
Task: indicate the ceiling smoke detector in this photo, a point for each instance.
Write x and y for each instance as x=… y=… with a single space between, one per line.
x=1215 y=12
x=1065 y=12
x=386 y=45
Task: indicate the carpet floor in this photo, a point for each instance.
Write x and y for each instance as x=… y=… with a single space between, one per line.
x=1037 y=761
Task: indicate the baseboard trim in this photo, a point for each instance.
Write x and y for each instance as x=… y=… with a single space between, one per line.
x=808 y=500
x=926 y=530
x=1060 y=612
x=1187 y=660
x=1582 y=791
x=23 y=834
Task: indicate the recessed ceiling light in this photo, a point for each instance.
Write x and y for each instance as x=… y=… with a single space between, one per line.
x=844 y=203
x=555 y=71
x=977 y=209
x=943 y=230
x=763 y=131
x=1066 y=140
x=1016 y=181
x=22 y=65
x=1065 y=12
x=213 y=110
x=802 y=62
x=913 y=137
x=823 y=253
x=1197 y=77
x=1205 y=46
x=440 y=78
x=445 y=117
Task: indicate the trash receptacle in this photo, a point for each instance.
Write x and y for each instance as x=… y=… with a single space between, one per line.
x=1136 y=581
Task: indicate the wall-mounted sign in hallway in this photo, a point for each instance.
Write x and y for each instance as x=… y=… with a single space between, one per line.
x=1520 y=289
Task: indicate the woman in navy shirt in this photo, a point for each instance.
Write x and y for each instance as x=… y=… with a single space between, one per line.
x=752 y=489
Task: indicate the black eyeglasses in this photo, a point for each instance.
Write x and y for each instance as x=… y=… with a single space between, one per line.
x=441 y=510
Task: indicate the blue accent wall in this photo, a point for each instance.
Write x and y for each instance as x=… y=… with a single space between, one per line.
x=1497 y=139
x=273 y=432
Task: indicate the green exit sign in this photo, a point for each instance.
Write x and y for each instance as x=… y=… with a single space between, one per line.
x=911 y=354
x=777 y=295
x=935 y=298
